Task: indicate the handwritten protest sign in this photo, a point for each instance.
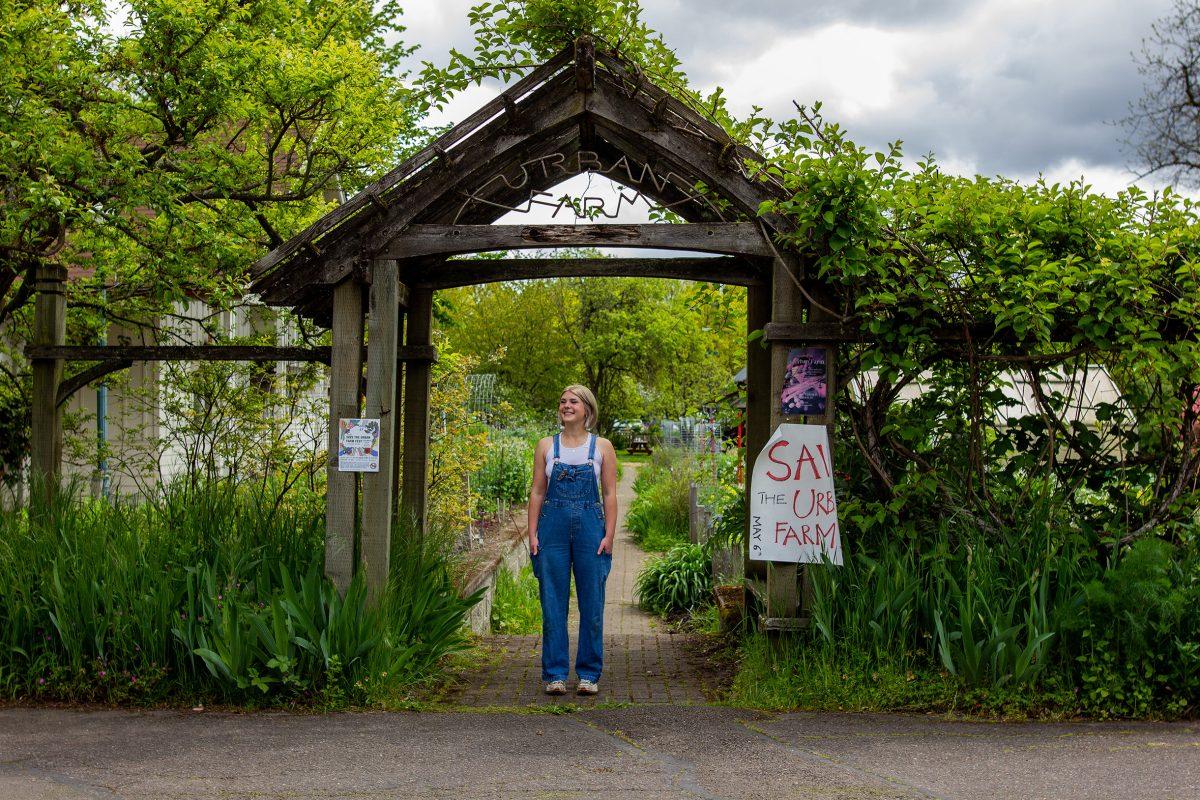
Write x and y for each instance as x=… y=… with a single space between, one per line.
x=793 y=512
x=358 y=445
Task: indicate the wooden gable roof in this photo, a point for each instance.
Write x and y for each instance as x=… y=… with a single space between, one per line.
x=582 y=111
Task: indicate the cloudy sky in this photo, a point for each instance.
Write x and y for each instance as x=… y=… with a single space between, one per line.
x=1012 y=87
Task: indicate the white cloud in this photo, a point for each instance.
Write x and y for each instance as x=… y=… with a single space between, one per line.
x=853 y=70
x=1013 y=87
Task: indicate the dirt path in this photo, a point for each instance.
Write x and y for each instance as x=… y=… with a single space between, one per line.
x=643 y=661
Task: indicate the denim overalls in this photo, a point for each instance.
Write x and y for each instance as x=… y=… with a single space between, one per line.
x=570 y=528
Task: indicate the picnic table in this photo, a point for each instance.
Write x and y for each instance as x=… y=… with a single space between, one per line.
x=639 y=444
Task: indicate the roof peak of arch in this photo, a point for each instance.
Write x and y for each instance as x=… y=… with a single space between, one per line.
x=580 y=111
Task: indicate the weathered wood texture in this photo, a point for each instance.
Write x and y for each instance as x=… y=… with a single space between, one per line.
x=398 y=417
x=467 y=272
x=202 y=352
x=71 y=385
x=375 y=196
x=604 y=106
x=585 y=64
x=821 y=329
x=417 y=385
x=783 y=596
x=345 y=380
x=216 y=352
x=557 y=108
x=731 y=238
x=758 y=401
x=49 y=330
x=118 y=357
x=817 y=316
x=382 y=341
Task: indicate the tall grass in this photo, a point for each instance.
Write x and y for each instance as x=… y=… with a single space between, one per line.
x=658 y=515
x=516 y=607
x=987 y=611
x=213 y=592
x=1032 y=621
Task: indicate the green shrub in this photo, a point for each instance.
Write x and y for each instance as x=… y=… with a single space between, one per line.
x=677 y=582
x=1139 y=637
x=507 y=472
x=516 y=607
x=658 y=515
x=209 y=592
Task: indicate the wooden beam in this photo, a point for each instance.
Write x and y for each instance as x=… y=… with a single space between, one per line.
x=823 y=330
x=418 y=382
x=71 y=385
x=831 y=332
x=663 y=103
x=732 y=238
x=179 y=353
x=398 y=417
x=630 y=125
x=218 y=352
x=49 y=331
x=296 y=293
x=466 y=272
x=375 y=195
x=585 y=64
x=787 y=305
x=345 y=378
x=382 y=340
x=555 y=106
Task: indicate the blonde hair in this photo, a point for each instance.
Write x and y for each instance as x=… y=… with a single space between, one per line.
x=589 y=403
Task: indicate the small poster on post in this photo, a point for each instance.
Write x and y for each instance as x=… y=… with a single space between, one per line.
x=358 y=445
x=793 y=511
x=804 y=382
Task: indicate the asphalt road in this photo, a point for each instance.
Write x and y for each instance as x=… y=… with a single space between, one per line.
x=642 y=752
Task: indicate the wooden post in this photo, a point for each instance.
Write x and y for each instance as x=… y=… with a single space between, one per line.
x=345 y=382
x=758 y=405
x=816 y=316
x=49 y=328
x=382 y=344
x=783 y=598
x=398 y=421
x=414 y=501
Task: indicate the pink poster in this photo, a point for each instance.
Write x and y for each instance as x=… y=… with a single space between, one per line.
x=804 y=383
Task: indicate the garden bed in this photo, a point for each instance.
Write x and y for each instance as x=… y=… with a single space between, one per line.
x=505 y=544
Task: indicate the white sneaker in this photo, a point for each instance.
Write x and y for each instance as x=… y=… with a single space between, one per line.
x=588 y=687
x=556 y=687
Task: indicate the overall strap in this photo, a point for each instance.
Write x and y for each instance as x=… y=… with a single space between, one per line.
x=591 y=460
x=556 y=447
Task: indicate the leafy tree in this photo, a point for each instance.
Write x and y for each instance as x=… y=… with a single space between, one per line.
x=512 y=329
x=158 y=161
x=1164 y=125
x=643 y=346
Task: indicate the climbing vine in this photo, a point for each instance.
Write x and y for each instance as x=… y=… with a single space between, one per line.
x=988 y=308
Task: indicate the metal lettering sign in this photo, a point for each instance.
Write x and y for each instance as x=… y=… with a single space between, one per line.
x=555 y=165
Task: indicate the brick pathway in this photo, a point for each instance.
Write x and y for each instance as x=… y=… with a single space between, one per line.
x=643 y=661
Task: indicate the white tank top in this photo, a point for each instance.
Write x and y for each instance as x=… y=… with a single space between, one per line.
x=573 y=455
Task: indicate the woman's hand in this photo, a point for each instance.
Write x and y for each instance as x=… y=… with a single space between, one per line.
x=533 y=546
x=606 y=545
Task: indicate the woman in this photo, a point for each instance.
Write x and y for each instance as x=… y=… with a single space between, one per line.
x=570 y=529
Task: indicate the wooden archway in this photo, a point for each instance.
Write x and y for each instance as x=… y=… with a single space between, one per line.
x=371 y=266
